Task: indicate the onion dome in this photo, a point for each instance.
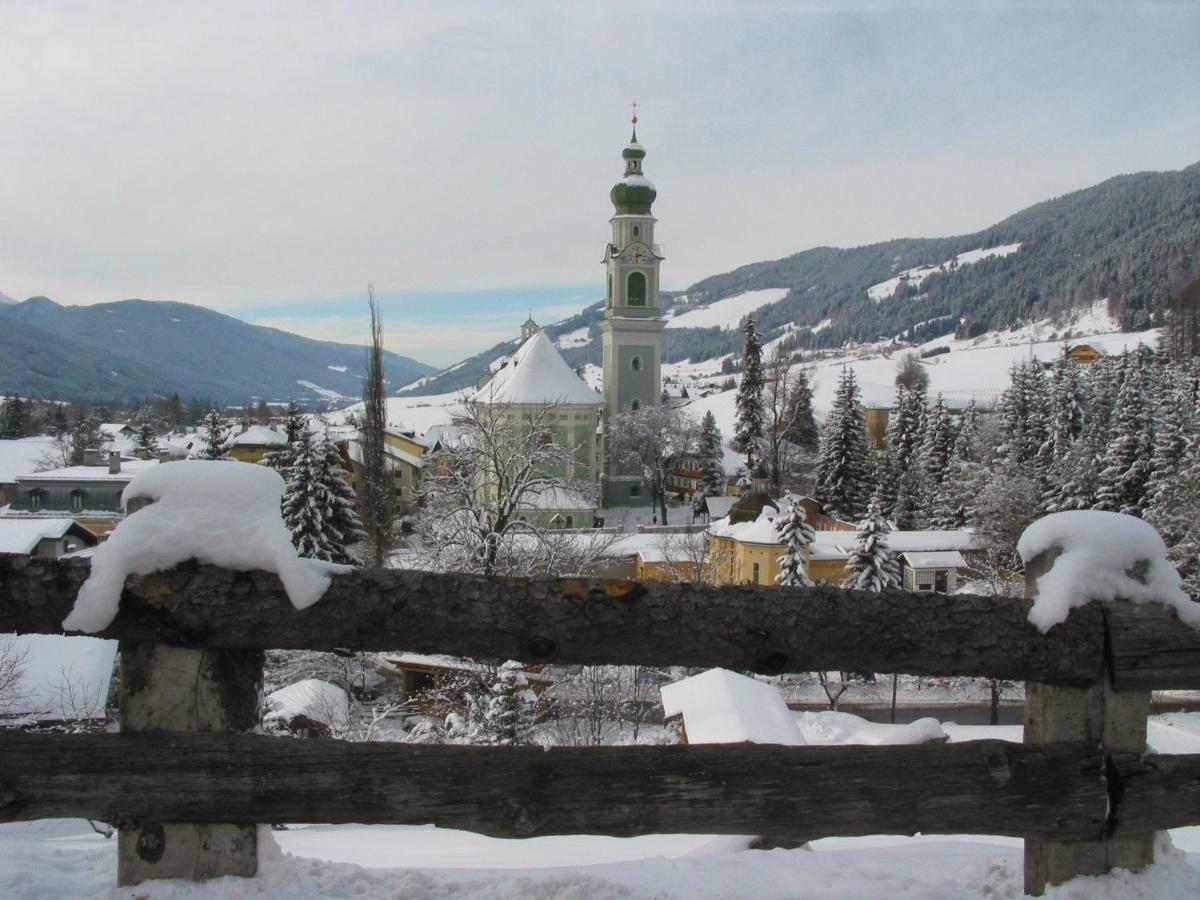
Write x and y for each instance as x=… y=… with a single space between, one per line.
x=634 y=193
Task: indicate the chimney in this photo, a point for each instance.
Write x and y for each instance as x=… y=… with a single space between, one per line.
x=91 y=457
x=114 y=463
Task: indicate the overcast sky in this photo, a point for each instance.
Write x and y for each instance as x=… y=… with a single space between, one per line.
x=267 y=160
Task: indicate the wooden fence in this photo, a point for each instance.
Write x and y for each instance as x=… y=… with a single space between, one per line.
x=184 y=782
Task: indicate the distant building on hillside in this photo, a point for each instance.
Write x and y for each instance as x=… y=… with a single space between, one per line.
x=1085 y=351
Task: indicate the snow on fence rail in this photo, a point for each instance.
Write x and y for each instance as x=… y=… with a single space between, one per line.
x=1081 y=790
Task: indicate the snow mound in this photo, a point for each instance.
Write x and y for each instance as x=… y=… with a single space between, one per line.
x=1102 y=557
x=722 y=707
x=839 y=728
x=222 y=512
x=317 y=700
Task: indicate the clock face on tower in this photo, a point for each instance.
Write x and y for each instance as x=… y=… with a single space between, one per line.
x=639 y=256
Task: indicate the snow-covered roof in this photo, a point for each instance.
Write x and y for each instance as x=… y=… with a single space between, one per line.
x=839 y=544
x=537 y=374
x=556 y=498
x=934 y=559
x=718 y=507
x=129 y=468
x=22 y=535
x=723 y=707
x=20 y=457
x=260 y=435
x=396 y=454
x=446 y=435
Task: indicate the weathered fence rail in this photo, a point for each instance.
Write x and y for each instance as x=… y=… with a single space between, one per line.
x=594 y=621
x=1081 y=790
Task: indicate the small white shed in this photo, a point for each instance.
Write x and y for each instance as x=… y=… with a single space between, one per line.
x=934 y=571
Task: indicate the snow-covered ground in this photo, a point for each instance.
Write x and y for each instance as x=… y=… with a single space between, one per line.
x=918 y=274
x=726 y=313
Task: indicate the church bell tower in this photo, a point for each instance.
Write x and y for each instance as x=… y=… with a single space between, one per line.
x=632 y=325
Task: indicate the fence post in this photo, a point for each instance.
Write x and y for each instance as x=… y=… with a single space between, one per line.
x=166 y=688
x=1117 y=721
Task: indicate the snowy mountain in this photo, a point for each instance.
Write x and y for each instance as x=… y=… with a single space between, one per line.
x=140 y=348
x=6 y=300
x=1132 y=241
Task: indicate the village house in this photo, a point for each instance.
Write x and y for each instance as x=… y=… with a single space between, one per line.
x=89 y=494
x=43 y=538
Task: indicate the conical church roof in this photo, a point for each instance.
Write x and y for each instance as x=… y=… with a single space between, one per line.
x=537 y=373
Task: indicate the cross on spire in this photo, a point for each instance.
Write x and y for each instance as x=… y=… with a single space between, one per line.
x=634 y=104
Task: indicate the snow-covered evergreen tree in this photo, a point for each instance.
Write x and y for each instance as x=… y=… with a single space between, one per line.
x=146 y=440
x=802 y=424
x=913 y=498
x=906 y=429
x=1126 y=471
x=712 y=458
x=306 y=502
x=345 y=529
x=217 y=440
x=1023 y=414
x=872 y=565
x=938 y=443
x=504 y=717
x=844 y=469
x=750 y=425
x=1175 y=512
x=966 y=436
x=293 y=425
x=953 y=499
x=1067 y=410
x=795 y=534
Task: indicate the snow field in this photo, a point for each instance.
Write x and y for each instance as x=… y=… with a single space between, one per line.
x=918 y=274
x=726 y=313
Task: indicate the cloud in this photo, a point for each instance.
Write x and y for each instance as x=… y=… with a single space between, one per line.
x=235 y=154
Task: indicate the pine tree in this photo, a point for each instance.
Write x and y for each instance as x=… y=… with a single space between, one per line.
x=14 y=422
x=795 y=534
x=966 y=437
x=344 y=528
x=712 y=458
x=906 y=429
x=505 y=719
x=306 y=503
x=293 y=426
x=217 y=441
x=844 y=469
x=146 y=440
x=872 y=565
x=1175 y=513
x=1174 y=426
x=1128 y=455
x=938 y=443
x=1066 y=414
x=802 y=424
x=750 y=425
x=58 y=423
x=951 y=502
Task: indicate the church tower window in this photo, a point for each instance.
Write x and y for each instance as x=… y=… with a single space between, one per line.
x=637 y=364
x=636 y=290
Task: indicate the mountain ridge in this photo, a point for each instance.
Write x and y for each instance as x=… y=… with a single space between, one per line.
x=140 y=347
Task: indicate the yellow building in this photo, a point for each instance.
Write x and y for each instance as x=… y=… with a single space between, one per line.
x=256 y=442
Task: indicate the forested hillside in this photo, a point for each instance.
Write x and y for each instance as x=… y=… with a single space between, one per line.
x=1133 y=240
